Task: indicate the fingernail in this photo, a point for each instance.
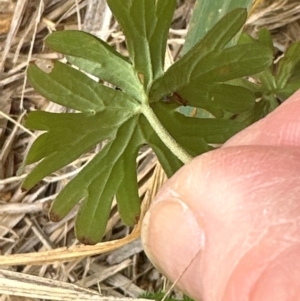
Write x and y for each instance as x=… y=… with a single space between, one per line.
x=173 y=239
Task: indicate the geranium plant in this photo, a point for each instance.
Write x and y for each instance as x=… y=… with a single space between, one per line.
x=149 y=105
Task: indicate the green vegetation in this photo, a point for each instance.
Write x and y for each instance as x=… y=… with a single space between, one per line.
x=149 y=106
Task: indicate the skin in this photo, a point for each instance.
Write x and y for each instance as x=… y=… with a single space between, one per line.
x=228 y=222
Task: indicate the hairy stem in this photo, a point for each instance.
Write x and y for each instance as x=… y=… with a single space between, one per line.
x=162 y=133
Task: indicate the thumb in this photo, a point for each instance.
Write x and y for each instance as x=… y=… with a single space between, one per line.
x=229 y=220
x=232 y=217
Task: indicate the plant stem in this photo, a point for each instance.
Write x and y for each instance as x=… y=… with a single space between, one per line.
x=162 y=133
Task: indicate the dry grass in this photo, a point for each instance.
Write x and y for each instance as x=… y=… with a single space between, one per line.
x=43 y=260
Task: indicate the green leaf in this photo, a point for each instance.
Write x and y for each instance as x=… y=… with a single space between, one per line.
x=196 y=133
x=217 y=66
x=288 y=65
x=265 y=38
x=233 y=99
x=206 y=14
x=66 y=139
x=290 y=88
x=146 y=25
x=220 y=35
x=98 y=182
x=267 y=80
x=112 y=172
x=186 y=134
x=126 y=120
x=127 y=194
x=260 y=110
x=68 y=136
x=246 y=38
x=216 y=39
x=71 y=88
x=266 y=77
x=213 y=98
x=96 y=57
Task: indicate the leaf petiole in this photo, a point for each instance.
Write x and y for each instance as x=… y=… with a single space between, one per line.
x=162 y=133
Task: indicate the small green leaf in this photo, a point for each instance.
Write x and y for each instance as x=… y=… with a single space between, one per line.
x=215 y=39
x=260 y=110
x=266 y=77
x=196 y=133
x=246 y=38
x=220 y=35
x=68 y=136
x=71 y=88
x=98 y=182
x=229 y=98
x=97 y=58
x=146 y=25
x=217 y=66
x=127 y=194
x=289 y=64
x=265 y=38
x=206 y=14
x=290 y=88
x=233 y=99
x=267 y=80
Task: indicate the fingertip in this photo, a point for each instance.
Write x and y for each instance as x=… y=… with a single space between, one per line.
x=235 y=195
x=173 y=240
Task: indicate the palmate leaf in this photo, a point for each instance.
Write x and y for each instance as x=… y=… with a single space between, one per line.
x=104 y=114
x=69 y=135
x=126 y=120
x=111 y=172
x=66 y=138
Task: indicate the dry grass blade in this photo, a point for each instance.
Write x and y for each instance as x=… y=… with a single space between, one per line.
x=18 y=284
x=281 y=17
x=68 y=253
x=80 y=251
